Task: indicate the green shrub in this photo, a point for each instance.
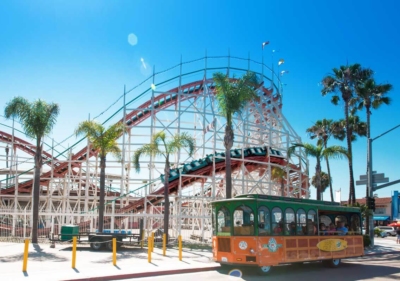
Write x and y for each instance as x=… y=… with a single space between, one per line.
x=367 y=241
x=377 y=231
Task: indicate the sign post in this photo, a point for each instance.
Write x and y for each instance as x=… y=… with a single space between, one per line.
x=371 y=180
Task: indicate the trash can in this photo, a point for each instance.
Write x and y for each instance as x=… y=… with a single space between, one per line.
x=68 y=232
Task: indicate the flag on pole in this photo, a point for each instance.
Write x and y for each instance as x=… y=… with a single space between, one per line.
x=281 y=61
x=265 y=44
x=338 y=195
x=210 y=126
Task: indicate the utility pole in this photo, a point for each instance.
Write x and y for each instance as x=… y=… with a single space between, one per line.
x=369 y=179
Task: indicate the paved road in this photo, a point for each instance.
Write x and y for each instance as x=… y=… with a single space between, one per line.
x=384 y=267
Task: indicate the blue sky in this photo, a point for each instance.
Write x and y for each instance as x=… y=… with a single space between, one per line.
x=76 y=53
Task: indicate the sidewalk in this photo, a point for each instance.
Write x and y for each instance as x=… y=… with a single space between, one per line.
x=383 y=246
x=45 y=263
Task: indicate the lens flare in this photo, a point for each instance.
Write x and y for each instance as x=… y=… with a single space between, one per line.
x=132 y=39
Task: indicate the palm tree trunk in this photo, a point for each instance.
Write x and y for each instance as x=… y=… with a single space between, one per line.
x=329 y=171
x=318 y=178
x=352 y=192
x=330 y=180
x=36 y=191
x=166 y=197
x=102 y=192
x=228 y=143
x=282 y=188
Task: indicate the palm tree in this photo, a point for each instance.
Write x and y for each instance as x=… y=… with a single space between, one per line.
x=232 y=96
x=278 y=174
x=325 y=181
x=343 y=82
x=356 y=128
x=37 y=120
x=160 y=146
x=103 y=141
x=370 y=95
x=323 y=130
x=319 y=152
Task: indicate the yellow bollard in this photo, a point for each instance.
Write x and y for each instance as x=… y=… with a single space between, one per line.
x=149 y=249
x=25 y=262
x=180 y=247
x=114 y=251
x=164 y=244
x=73 y=252
x=152 y=241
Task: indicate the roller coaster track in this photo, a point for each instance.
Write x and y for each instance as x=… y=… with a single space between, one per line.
x=135 y=117
x=205 y=171
x=48 y=159
x=27 y=147
x=197 y=175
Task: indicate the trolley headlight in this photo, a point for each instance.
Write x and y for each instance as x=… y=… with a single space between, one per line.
x=252 y=251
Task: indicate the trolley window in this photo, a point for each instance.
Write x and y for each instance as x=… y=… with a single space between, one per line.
x=264 y=221
x=244 y=221
x=290 y=222
x=311 y=223
x=301 y=222
x=223 y=222
x=277 y=222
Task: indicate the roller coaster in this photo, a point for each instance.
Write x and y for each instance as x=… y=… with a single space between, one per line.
x=70 y=185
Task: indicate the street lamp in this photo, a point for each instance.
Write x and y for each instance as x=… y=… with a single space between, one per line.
x=369 y=180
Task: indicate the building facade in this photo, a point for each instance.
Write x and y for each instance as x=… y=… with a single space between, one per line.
x=383 y=210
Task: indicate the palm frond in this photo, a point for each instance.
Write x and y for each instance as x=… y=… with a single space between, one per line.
x=181 y=140
x=37 y=118
x=53 y=111
x=325 y=180
x=335 y=152
x=90 y=128
x=159 y=137
x=115 y=150
x=278 y=173
x=115 y=131
x=335 y=99
x=233 y=95
x=309 y=149
x=17 y=108
x=145 y=150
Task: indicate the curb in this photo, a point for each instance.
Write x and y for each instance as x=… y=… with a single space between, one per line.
x=382 y=253
x=145 y=274
x=175 y=271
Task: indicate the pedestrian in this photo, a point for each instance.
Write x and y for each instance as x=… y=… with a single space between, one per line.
x=398 y=235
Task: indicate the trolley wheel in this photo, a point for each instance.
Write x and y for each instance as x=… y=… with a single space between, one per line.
x=332 y=263
x=264 y=269
x=96 y=244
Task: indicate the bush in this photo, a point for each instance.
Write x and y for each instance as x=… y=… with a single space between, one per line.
x=377 y=231
x=367 y=241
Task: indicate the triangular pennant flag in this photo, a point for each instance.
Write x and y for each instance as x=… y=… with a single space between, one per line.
x=265 y=44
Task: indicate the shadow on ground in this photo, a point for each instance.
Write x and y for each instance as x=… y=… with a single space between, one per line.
x=349 y=270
